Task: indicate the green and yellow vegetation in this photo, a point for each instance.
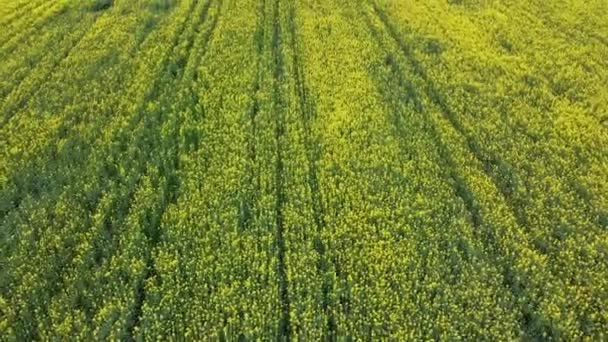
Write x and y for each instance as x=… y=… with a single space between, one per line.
x=303 y=169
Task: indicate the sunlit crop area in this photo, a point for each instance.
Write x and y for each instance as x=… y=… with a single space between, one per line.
x=303 y=169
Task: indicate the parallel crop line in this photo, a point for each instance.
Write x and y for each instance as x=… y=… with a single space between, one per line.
x=125 y=133
x=10 y=107
x=461 y=188
x=35 y=24
x=247 y=205
x=501 y=173
x=121 y=106
x=307 y=111
x=23 y=11
x=284 y=328
x=172 y=187
x=410 y=98
x=136 y=129
x=488 y=160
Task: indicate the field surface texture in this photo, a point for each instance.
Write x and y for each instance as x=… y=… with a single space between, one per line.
x=303 y=170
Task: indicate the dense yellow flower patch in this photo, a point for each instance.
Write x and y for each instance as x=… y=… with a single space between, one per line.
x=311 y=170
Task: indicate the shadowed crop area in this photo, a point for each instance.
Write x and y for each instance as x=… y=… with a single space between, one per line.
x=311 y=170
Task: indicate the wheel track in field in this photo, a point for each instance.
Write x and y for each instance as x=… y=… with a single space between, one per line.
x=46 y=151
x=171 y=171
x=152 y=232
x=138 y=129
x=307 y=112
x=168 y=168
x=504 y=181
x=96 y=131
x=284 y=327
x=511 y=277
x=501 y=173
x=52 y=12
x=459 y=185
x=10 y=108
x=125 y=134
x=247 y=206
x=412 y=98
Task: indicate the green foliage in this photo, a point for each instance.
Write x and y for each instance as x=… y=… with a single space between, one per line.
x=101 y=5
x=162 y=5
x=307 y=170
